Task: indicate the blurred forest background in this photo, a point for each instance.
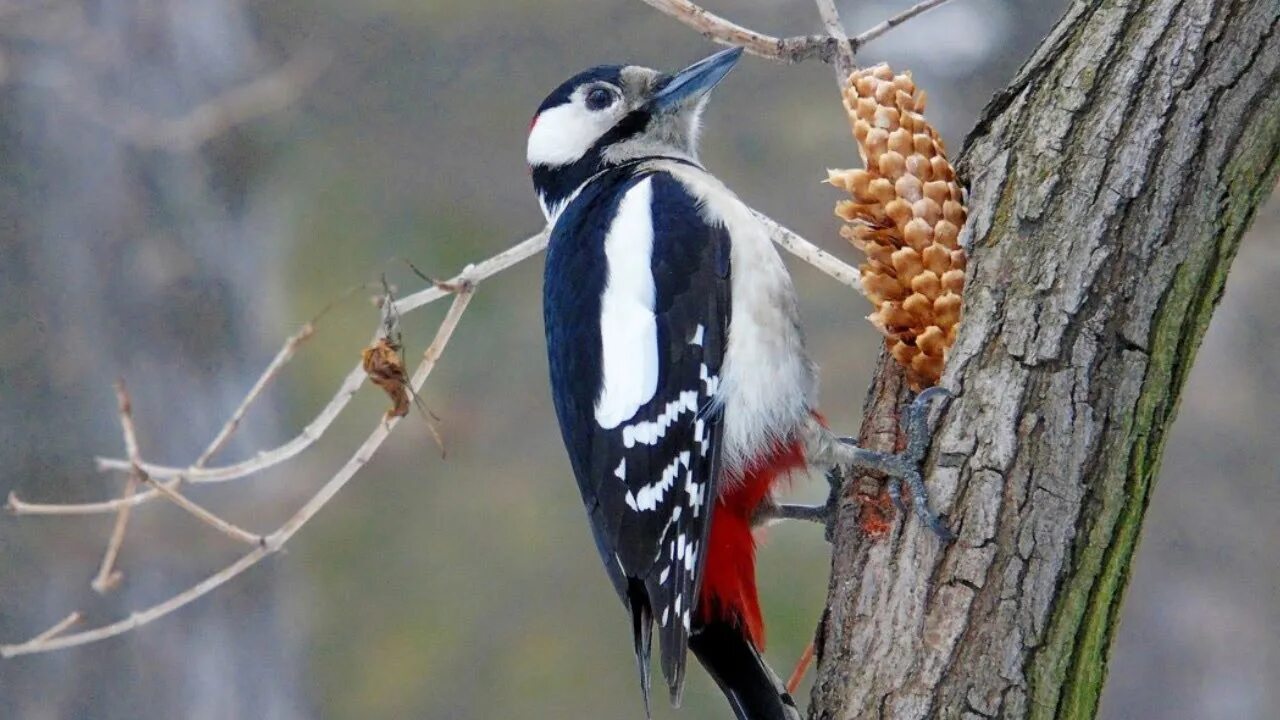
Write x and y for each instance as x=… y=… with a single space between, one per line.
x=179 y=255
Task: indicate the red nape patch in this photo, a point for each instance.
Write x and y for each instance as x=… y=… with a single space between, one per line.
x=533 y=121
x=729 y=577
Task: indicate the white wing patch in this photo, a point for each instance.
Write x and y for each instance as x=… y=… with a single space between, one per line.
x=628 y=329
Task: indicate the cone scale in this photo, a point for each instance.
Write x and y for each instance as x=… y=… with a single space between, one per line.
x=905 y=213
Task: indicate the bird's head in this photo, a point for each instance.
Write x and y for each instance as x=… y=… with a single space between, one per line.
x=613 y=114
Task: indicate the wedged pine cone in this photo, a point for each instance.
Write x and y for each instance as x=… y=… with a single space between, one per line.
x=906 y=214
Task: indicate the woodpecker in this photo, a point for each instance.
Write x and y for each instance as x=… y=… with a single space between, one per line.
x=679 y=373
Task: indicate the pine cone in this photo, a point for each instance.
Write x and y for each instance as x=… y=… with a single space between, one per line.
x=906 y=214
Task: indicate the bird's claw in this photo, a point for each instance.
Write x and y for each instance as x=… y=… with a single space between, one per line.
x=904 y=467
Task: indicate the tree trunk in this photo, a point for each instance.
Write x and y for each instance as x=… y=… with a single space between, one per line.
x=1110 y=185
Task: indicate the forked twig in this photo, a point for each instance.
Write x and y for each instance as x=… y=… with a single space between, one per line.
x=271 y=543
x=286 y=353
x=469 y=276
x=843 y=60
x=164 y=480
x=230 y=529
x=789 y=49
x=108 y=577
x=281 y=358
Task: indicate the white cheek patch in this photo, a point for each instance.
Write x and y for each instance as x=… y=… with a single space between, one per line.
x=628 y=329
x=564 y=133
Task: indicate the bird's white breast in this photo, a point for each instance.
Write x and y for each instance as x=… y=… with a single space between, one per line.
x=768 y=385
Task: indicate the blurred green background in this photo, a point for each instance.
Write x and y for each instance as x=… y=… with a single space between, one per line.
x=466 y=587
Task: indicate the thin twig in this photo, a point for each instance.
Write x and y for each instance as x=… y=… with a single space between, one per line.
x=141 y=618
x=789 y=49
x=282 y=357
x=843 y=59
x=802 y=667
x=231 y=530
x=60 y=627
x=326 y=493
x=876 y=31
x=824 y=261
x=726 y=32
x=275 y=540
x=836 y=48
x=470 y=276
x=788 y=240
x=473 y=274
x=108 y=577
x=286 y=353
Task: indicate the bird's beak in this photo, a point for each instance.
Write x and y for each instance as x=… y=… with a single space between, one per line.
x=696 y=80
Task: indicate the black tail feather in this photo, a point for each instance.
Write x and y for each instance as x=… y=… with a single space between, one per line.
x=752 y=689
x=642 y=633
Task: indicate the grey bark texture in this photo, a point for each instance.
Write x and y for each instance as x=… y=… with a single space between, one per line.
x=1110 y=185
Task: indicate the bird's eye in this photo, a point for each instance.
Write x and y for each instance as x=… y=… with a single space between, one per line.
x=599 y=98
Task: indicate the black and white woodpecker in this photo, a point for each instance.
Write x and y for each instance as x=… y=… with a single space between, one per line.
x=678 y=369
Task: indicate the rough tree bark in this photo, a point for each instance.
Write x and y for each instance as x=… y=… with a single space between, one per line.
x=1110 y=185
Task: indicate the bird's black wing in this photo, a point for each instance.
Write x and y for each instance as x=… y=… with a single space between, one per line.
x=649 y=481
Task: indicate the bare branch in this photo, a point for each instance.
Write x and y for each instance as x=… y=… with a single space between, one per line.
x=473 y=274
x=790 y=49
x=843 y=59
x=877 y=30
x=138 y=619
x=18 y=506
x=788 y=240
x=231 y=530
x=172 y=476
x=829 y=264
x=282 y=357
x=60 y=627
x=108 y=577
x=470 y=276
x=165 y=480
x=362 y=455
x=276 y=540
x=285 y=354
x=725 y=32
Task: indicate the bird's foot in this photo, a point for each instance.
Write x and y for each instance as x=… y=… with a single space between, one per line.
x=771 y=511
x=903 y=467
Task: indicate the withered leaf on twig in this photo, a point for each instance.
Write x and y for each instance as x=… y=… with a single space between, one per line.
x=383 y=362
x=385 y=368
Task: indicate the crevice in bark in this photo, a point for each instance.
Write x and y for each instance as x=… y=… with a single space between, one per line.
x=1110 y=184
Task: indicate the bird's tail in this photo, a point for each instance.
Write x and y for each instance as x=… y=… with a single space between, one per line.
x=752 y=689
